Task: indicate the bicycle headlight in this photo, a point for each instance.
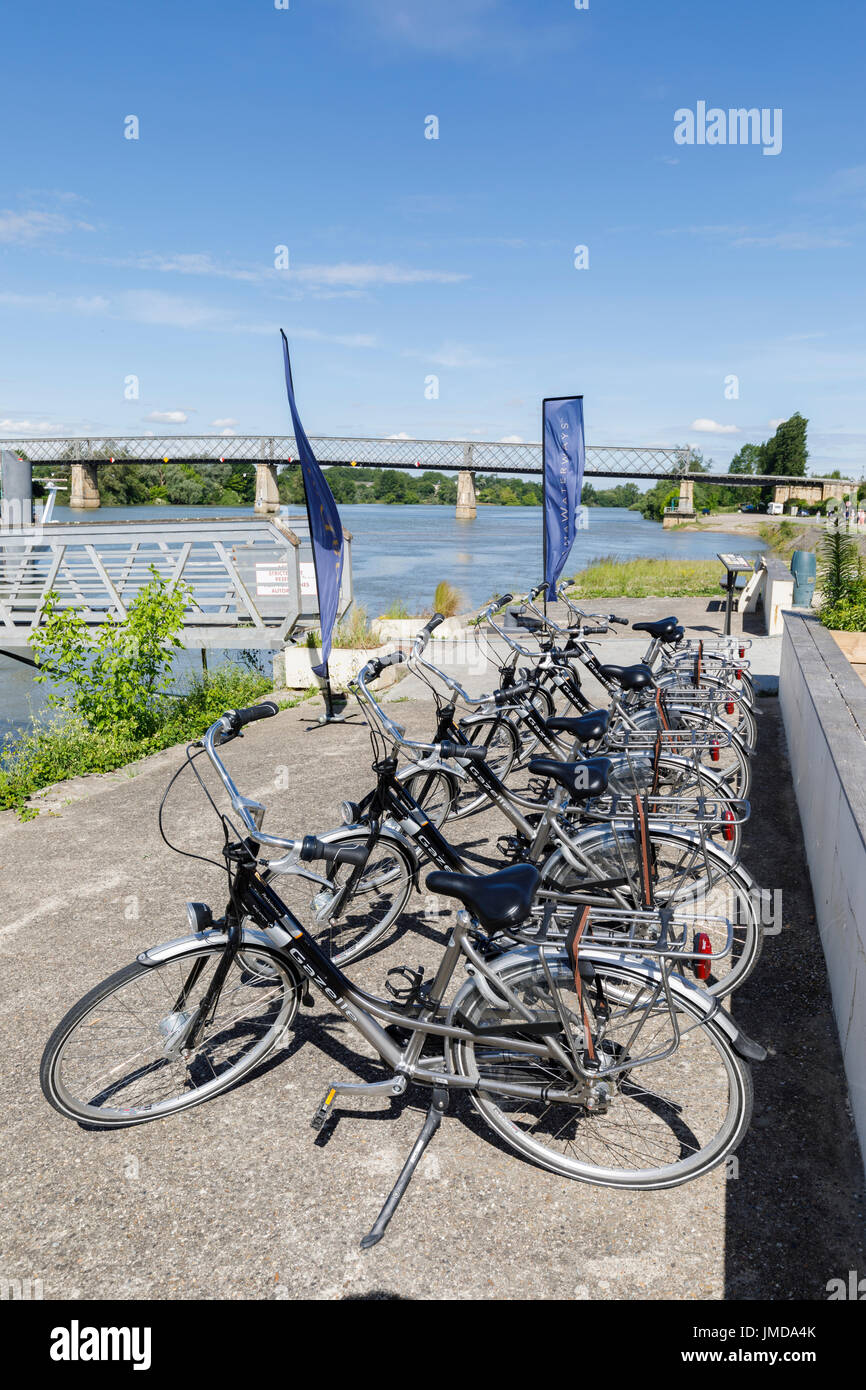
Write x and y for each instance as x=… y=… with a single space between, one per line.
x=349 y=812
x=199 y=916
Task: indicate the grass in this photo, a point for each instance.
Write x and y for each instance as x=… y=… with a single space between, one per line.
x=396 y=610
x=446 y=599
x=355 y=632
x=60 y=745
x=647 y=578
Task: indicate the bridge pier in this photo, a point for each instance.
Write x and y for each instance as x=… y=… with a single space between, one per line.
x=685 y=508
x=83 y=487
x=814 y=492
x=466 y=499
x=267 y=489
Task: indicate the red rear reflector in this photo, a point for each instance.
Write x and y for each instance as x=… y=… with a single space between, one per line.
x=714 y=751
x=702 y=946
x=742 y=652
x=739 y=673
x=728 y=829
x=730 y=706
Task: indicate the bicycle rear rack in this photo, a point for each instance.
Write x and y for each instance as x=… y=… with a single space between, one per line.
x=663 y=933
x=678 y=742
x=684 y=810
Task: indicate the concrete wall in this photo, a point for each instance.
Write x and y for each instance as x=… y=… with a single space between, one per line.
x=824 y=711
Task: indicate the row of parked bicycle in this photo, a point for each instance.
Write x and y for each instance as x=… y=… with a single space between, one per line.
x=588 y=1026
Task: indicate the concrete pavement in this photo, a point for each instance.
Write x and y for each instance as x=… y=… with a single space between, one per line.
x=234 y=1199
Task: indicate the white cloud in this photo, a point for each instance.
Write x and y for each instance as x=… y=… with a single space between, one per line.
x=797 y=241
x=364 y=276
x=22 y=427
x=55 y=304
x=452 y=355
x=21 y=228
x=401 y=435
x=168 y=417
x=713 y=427
x=345 y=275
x=228 y=432
x=161 y=309
x=774 y=424
x=511 y=439
x=226 y=423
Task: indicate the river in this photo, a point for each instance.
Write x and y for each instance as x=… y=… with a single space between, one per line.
x=402 y=552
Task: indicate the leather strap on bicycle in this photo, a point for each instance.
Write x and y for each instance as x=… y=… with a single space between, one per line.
x=657 y=752
x=698 y=660
x=572 y=946
x=641 y=832
x=660 y=708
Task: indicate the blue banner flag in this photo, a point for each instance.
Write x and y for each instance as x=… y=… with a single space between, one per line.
x=326 y=533
x=564 y=456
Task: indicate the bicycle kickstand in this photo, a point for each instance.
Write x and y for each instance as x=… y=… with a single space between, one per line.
x=438 y=1106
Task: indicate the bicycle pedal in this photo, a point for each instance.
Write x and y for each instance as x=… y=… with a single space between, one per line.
x=323 y=1113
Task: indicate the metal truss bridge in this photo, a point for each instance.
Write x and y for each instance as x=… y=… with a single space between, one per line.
x=445 y=455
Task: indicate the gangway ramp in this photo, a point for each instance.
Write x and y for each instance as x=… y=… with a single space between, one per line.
x=252 y=578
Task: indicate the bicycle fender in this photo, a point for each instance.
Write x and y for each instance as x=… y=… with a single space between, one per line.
x=250 y=936
x=681 y=988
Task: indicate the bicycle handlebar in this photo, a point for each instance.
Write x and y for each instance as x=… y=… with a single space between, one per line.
x=470 y=751
x=234 y=720
x=311 y=849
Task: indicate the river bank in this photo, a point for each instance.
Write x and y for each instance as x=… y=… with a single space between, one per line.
x=402 y=552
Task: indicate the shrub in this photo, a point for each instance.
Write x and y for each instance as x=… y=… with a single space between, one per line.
x=839 y=572
x=61 y=745
x=848 y=615
x=446 y=599
x=355 y=631
x=114 y=674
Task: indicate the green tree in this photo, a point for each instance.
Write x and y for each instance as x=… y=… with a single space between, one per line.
x=747 y=460
x=785 y=454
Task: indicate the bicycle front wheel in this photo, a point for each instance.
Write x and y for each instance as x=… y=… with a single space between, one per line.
x=499 y=738
x=345 y=917
x=654 y=1124
x=118 y=1057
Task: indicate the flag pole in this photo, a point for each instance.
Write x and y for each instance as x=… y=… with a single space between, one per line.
x=330 y=716
x=544 y=508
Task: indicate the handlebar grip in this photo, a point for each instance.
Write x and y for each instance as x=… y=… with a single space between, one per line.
x=591 y=631
x=463 y=750
x=332 y=854
x=434 y=622
x=237 y=718
x=539 y=589
x=514 y=692
x=392 y=659
x=623 y=622
x=500 y=600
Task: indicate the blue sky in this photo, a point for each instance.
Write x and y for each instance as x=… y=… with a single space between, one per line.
x=410 y=257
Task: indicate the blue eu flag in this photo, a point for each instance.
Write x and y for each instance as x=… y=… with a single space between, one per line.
x=326 y=533
x=563 y=454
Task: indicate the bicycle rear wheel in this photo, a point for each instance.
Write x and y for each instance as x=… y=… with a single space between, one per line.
x=115 y=1058
x=663 y=1123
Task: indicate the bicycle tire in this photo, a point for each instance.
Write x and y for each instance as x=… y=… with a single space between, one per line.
x=645 y=1114
x=279 y=981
